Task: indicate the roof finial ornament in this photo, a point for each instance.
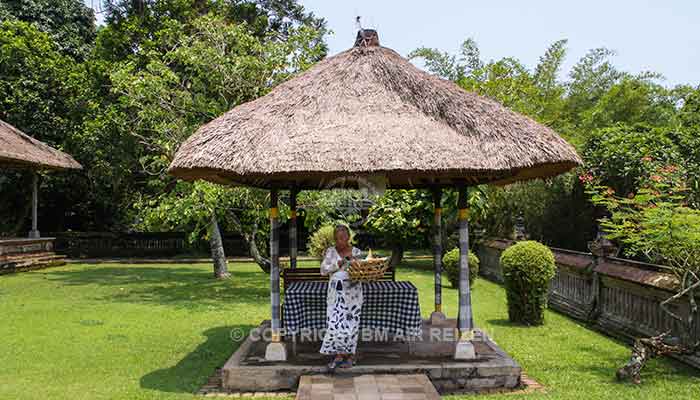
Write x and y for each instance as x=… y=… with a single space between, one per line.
x=360 y=31
x=365 y=37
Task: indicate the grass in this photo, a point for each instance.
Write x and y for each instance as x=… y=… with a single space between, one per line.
x=158 y=331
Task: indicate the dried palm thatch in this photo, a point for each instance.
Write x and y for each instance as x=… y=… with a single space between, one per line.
x=368 y=112
x=18 y=150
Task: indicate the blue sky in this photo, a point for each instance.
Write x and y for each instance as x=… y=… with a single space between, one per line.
x=661 y=36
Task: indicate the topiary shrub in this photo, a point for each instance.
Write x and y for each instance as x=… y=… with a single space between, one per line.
x=528 y=267
x=450 y=264
x=323 y=239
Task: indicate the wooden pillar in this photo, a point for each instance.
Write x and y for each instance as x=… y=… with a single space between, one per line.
x=293 y=228
x=437 y=316
x=275 y=350
x=34 y=233
x=465 y=322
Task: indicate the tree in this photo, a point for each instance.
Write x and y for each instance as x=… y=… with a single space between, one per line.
x=550 y=91
x=538 y=94
x=614 y=117
x=404 y=218
x=70 y=23
x=401 y=217
x=134 y=27
x=633 y=100
x=590 y=79
x=329 y=207
x=689 y=143
x=656 y=222
x=541 y=95
x=542 y=205
x=42 y=91
x=689 y=115
x=38 y=82
x=618 y=155
x=198 y=71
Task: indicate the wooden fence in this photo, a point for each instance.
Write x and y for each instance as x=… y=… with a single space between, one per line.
x=108 y=244
x=152 y=244
x=616 y=296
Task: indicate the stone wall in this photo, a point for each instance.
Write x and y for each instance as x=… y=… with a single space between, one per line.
x=617 y=296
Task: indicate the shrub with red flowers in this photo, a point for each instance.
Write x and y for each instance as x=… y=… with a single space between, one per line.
x=656 y=221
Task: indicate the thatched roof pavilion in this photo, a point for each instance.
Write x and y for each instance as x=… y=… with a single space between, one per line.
x=412 y=127
x=367 y=113
x=19 y=150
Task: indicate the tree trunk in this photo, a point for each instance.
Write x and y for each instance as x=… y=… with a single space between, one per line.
x=249 y=239
x=262 y=262
x=396 y=255
x=648 y=348
x=644 y=350
x=217 y=250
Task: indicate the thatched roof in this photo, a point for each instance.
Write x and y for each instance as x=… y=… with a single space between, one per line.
x=365 y=112
x=18 y=150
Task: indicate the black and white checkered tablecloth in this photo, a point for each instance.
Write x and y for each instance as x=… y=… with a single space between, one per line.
x=390 y=306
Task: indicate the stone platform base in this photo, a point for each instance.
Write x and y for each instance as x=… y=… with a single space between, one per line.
x=432 y=355
x=19 y=254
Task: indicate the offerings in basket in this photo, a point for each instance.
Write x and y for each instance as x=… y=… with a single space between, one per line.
x=370 y=269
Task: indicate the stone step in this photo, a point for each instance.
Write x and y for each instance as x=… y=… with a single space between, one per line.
x=30 y=261
x=24 y=256
x=36 y=258
x=367 y=387
x=48 y=261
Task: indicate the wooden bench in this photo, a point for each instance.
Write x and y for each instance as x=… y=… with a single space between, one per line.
x=314 y=275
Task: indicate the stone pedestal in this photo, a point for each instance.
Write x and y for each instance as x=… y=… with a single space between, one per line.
x=437 y=318
x=464 y=350
x=276 y=351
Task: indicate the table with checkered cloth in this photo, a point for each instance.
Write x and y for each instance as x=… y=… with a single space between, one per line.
x=387 y=305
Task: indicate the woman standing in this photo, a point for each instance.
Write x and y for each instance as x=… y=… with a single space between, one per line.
x=344 y=301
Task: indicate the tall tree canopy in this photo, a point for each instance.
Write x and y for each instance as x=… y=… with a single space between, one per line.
x=122 y=97
x=615 y=118
x=152 y=74
x=70 y=23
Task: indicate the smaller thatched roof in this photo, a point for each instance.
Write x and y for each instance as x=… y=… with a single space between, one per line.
x=18 y=150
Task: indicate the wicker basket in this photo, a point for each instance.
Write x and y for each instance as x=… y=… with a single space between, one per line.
x=368 y=270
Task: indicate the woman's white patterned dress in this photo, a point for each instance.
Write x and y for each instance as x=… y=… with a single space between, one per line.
x=344 y=305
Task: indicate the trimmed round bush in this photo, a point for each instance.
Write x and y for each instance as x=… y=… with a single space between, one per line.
x=323 y=239
x=450 y=264
x=528 y=267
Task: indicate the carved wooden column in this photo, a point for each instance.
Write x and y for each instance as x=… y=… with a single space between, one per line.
x=275 y=351
x=464 y=349
x=437 y=316
x=293 y=228
x=34 y=233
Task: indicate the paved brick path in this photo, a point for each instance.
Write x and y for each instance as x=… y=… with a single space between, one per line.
x=366 y=387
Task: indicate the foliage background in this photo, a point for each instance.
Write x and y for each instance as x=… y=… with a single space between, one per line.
x=120 y=97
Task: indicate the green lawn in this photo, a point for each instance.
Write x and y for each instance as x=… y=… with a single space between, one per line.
x=158 y=331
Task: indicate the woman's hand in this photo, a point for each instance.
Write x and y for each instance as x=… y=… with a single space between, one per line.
x=342 y=266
